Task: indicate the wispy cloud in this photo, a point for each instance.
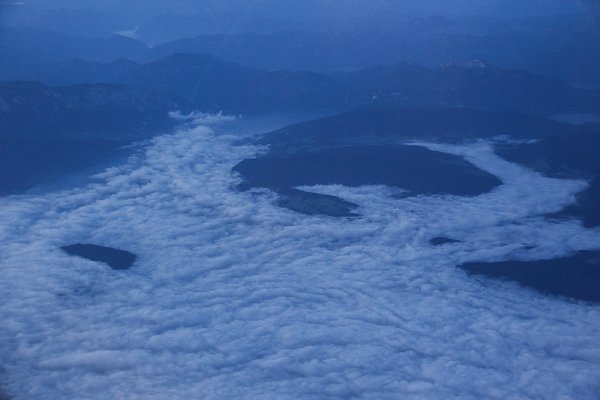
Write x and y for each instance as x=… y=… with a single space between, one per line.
x=200 y=118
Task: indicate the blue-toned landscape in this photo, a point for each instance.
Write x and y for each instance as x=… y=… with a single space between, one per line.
x=259 y=199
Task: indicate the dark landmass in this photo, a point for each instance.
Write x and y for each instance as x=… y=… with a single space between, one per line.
x=135 y=106
x=202 y=82
x=440 y=240
x=32 y=111
x=48 y=132
x=25 y=164
x=469 y=84
x=416 y=169
x=577 y=276
x=574 y=156
x=362 y=147
x=389 y=125
x=116 y=259
x=563 y=150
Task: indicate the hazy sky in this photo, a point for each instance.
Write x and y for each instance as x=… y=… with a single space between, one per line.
x=323 y=8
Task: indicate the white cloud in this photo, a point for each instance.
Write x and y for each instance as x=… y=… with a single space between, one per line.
x=200 y=118
x=233 y=297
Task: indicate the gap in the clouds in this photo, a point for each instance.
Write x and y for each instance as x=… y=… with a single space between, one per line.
x=115 y=258
x=441 y=240
x=576 y=276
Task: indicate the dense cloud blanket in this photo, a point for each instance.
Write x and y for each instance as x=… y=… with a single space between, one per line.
x=234 y=297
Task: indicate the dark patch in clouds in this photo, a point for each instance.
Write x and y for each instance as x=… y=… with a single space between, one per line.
x=572 y=155
x=115 y=258
x=440 y=240
x=577 y=276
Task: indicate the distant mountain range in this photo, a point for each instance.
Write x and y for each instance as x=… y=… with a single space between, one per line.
x=203 y=82
x=558 y=46
x=90 y=107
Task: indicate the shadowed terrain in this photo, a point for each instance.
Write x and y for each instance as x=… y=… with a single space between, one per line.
x=577 y=276
x=413 y=168
x=572 y=156
x=116 y=259
x=364 y=147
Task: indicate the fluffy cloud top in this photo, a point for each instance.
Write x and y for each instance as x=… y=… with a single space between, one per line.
x=233 y=297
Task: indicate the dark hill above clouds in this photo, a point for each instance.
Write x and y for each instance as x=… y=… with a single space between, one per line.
x=413 y=168
x=208 y=83
x=368 y=147
x=471 y=84
x=566 y=155
x=391 y=125
x=560 y=150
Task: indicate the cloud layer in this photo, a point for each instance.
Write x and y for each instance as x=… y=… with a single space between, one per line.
x=233 y=297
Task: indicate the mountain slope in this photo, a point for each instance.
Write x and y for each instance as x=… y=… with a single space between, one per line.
x=48 y=132
x=32 y=111
x=393 y=125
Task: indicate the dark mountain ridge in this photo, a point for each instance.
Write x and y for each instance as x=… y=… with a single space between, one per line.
x=210 y=84
x=47 y=132
x=545 y=45
x=540 y=45
x=30 y=110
